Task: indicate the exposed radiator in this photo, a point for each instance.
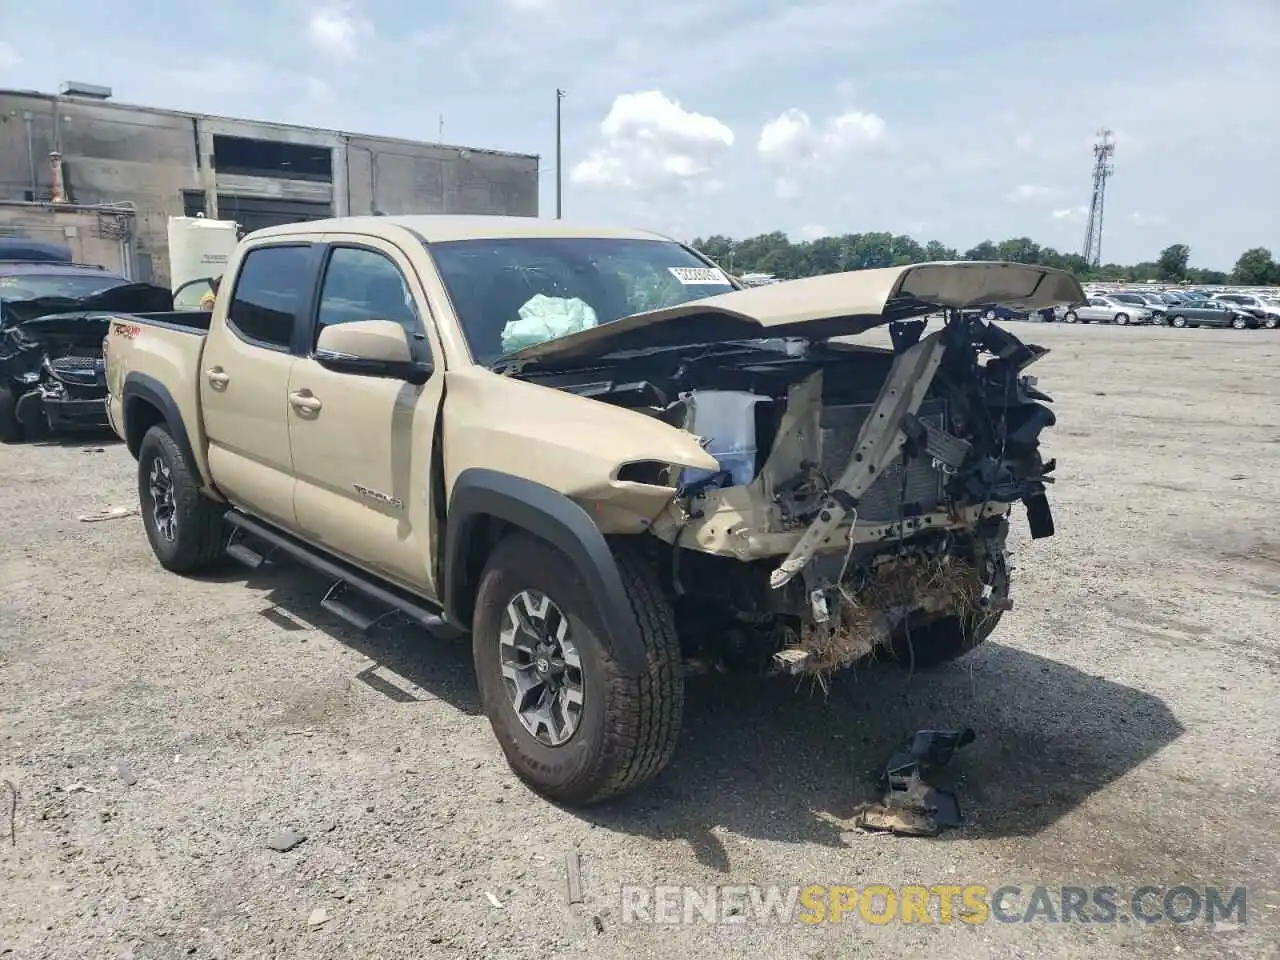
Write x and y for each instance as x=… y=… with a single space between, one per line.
x=880 y=503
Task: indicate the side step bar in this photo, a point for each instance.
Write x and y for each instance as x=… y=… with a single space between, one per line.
x=346 y=578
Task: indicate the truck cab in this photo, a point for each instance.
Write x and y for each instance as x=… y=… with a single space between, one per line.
x=597 y=455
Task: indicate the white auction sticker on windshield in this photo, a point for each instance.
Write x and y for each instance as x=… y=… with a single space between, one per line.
x=700 y=276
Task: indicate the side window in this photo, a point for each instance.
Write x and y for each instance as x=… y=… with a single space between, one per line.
x=271 y=288
x=362 y=284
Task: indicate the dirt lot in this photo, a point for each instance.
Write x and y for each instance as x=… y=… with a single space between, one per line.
x=160 y=731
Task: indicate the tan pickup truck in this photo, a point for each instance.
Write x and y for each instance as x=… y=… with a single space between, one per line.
x=600 y=457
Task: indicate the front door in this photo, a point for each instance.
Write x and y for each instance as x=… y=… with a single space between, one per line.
x=244 y=379
x=362 y=445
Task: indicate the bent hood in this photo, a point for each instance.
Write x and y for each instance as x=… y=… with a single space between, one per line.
x=816 y=308
x=122 y=298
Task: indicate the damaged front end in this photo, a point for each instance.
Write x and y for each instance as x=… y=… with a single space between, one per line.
x=873 y=523
x=54 y=367
x=863 y=498
x=51 y=355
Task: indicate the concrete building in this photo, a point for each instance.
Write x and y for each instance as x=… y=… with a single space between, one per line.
x=82 y=149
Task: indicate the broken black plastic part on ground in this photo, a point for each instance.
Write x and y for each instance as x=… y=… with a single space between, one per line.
x=909 y=806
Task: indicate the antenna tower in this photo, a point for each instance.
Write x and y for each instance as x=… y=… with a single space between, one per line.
x=1103 y=151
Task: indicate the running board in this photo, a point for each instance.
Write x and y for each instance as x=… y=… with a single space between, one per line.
x=346 y=578
x=242 y=552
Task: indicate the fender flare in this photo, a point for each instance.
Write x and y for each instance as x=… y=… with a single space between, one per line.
x=549 y=515
x=139 y=386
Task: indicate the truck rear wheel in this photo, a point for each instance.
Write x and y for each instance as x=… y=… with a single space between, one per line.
x=10 y=428
x=571 y=725
x=183 y=525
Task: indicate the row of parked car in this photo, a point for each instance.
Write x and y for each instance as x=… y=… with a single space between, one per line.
x=1176 y=308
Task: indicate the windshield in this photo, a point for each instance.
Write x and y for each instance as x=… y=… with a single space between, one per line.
x=513 y=293
x=32 y=286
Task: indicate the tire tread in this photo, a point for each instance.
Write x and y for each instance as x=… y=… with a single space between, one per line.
x=200 y=533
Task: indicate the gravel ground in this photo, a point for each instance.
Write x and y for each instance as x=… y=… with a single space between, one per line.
x=161 y=732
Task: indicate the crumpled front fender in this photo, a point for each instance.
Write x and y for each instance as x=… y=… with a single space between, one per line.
x=572 y=444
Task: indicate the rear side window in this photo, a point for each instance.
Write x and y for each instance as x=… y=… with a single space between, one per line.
x=272 y=287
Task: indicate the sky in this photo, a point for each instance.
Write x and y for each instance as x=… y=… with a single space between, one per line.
x=952 y=120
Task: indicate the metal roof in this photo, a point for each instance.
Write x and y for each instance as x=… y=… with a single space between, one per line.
x=438 y=228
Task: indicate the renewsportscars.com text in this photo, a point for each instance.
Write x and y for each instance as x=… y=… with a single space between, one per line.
x=934 y=904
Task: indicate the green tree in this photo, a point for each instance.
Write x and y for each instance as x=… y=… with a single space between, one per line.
x=1019 y=250
x=1256 y=267
x=986 y=250
x=1173 y=262
x=775 y=253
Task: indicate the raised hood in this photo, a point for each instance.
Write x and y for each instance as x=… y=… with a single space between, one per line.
x=832 y=305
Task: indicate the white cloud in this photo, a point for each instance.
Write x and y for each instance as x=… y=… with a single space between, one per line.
x=1071 y=214
x=318 y=90
x=1145 y=220
x=814 y=231
x=794 y=146
x=10 y=59
x=338 y=31
x=1029 y=193
x=651 y=141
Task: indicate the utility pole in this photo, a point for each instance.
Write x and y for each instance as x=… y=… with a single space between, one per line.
x=559 y=183
x=440 y=135
x=1103 y=151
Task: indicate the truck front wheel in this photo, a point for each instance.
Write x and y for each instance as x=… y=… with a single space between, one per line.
x=183 y=525
x=949 y=638
x=570 y=723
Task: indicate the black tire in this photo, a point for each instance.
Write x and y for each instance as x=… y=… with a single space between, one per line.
x=628 y=727
x=1179 y=322
x=1271 y=322
x=949 y=638
x=1160 y=320
x=940 y=642
x=1239 y=323
x=10 y=429
x=198 y=538
x=1122 y=319
x=1070 y=316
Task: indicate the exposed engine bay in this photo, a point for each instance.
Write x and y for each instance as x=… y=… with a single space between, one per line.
x=864 y=494
x=51 y=354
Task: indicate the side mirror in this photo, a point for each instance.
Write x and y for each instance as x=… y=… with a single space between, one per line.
x=371 y=348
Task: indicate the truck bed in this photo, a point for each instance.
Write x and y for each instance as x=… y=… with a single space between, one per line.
x=185 y=321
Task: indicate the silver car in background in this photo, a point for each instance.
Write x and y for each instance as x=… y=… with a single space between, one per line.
x=1106 y=309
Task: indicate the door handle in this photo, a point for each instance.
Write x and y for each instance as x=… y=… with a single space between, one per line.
x=303 y=400
x=217 y=377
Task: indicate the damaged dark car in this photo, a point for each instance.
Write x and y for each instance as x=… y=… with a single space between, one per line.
x=53 y=318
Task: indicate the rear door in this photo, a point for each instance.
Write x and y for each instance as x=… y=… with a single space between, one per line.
x=244 y=377
x=362 y=445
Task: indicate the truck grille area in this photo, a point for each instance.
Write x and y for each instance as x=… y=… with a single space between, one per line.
x=76 y=371
x=881 y=502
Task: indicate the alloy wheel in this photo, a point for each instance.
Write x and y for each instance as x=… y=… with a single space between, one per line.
x=541 y=669
x=164 y=507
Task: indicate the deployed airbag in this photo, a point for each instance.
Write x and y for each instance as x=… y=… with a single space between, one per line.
x=545 y=318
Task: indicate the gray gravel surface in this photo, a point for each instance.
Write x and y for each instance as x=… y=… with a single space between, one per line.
x=165 y=734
